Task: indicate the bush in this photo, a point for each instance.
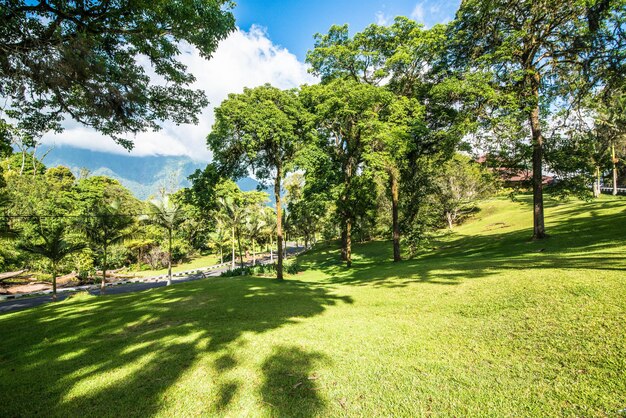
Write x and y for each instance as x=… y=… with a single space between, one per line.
x=180 y=250
x=262 y=269
x=239 y=271
x=118 y=256
x=84 y=264
x=293 y=267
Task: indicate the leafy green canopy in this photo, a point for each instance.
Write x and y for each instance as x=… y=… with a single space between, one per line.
x=88 y=59
x=259 y=130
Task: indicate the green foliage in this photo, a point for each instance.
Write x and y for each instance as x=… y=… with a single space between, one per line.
x=291 y=267
x=460 y=184
x=260 y=129
x=82 y=60
x=22 y=163
x=84 y=264
x=60 y=177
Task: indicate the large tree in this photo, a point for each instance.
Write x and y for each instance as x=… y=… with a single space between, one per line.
x=424 y=119
x=348 y=115
x=50 y=241
x=105 y=224
x=90 y=61
x=260 y=130
x=530 y=48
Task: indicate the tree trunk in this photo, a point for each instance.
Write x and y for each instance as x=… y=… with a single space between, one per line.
x=279 y=224
x=394 y=217
x=169 y=259
x=271 y=249
x=104 y=271
x=346 y=238
x=539 y=230
x=253 y=254
x=614 y=161
x=23 y=162
x=449 y=219
x=221 y=255
x=348 y=243
x=596 y=184
x=54 y=282
x=232 y=260
x=240 y=253
x=344 y=243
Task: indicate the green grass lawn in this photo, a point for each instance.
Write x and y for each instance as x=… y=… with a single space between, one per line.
x=194 y=263
x=488 y=323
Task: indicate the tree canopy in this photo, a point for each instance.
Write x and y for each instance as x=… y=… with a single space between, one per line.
x=92 y=62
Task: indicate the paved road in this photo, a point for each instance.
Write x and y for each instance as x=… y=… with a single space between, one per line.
x=30 y=302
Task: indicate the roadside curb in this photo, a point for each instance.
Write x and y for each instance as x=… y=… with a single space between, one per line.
x=153 y=279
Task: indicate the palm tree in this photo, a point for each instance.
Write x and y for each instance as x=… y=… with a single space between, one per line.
x=218 y=237
x=254 y=226
x=55 y=247
x=235 y=215
x=105 y=226
x=167 y=215
x=269 y=217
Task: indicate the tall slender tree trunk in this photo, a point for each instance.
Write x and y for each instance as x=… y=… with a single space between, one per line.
x=232 y=260
x=271 y=249
x=614 y=161
x=253 y=254
x=169 y=258
x=104 y=271
x=449 y=219
x=54 y=282
x=394 y=217
x=348 y=242
x=596 y=183
x=539 y=230
x=346 y=234
x=279 y=225
x=23 y=162
x=240 y=253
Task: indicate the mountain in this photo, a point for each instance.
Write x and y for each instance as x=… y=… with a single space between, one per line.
x=143 y=176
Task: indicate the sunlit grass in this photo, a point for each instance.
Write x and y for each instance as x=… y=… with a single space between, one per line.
x=485 y=322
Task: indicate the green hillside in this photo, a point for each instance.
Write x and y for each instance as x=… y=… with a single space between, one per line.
x=484 y=323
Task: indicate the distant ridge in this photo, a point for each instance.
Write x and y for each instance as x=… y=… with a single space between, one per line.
x=143 y=176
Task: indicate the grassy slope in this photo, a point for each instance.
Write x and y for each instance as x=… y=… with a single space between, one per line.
x=485 y=325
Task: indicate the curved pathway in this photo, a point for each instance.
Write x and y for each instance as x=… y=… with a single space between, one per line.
x=30 y=302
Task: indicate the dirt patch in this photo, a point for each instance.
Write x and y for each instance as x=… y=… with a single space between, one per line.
x=28 y=284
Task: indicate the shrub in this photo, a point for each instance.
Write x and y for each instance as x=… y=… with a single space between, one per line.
x=293 y=267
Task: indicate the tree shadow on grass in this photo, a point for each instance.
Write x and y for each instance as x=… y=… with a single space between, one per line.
x=119 y=355
x=290 y=383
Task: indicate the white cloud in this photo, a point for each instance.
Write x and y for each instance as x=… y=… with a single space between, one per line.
x=244 y=59
x=382 y=19
x=418 y=13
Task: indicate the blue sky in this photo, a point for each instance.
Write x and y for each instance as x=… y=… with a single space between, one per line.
x=292 y=24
